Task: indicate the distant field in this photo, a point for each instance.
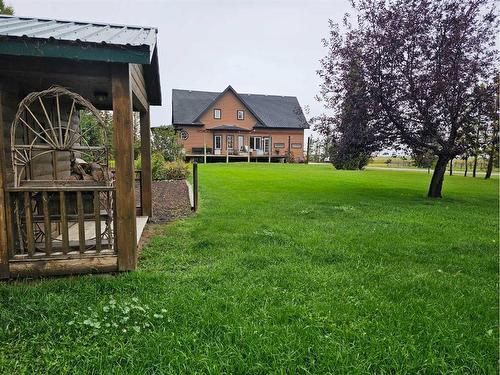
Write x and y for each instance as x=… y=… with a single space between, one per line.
x=399 y=162
x=285 y=269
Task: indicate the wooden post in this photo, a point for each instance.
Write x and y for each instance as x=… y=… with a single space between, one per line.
x=4 y=252
x=146 y=175
x=269 y=148
x=124 y=159
x=47 y=228
x=204 y=148
x=64 y=222
x=308 y=149
x=289 y=148
x=195 y=185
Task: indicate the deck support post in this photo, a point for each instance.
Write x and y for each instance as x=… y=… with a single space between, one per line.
x=269 y=148
x=124 y=158
x=146 y=175
x=204 y=148
x=308 y=149
x=4 y=253
x=289 y=148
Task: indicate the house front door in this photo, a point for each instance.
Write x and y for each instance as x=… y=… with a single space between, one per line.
x=241 y=143
x=217 y=144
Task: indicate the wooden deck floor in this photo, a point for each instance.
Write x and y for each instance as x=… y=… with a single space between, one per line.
x=90 y=229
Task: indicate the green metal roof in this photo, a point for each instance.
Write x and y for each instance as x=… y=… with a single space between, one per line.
x=24 y=36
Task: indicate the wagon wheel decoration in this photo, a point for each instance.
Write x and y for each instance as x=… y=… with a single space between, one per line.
x=48 y=122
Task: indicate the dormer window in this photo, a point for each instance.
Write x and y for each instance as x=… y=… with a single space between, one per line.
x=240 y=114
x=217 y=114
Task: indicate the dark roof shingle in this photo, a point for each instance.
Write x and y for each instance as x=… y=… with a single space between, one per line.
x=272 y=110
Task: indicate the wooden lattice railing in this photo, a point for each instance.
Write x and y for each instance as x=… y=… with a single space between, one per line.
x=60 y=221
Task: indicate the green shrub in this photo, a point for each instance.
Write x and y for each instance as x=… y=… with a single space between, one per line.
x=176 y=170
x=164 y=170
x=157 y=166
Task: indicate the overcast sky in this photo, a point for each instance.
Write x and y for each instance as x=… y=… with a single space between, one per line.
x=261 y=47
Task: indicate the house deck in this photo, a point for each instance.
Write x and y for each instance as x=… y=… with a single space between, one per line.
x=240 y=157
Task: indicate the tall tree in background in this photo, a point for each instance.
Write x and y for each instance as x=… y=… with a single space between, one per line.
x=6 y=9
x=352 y=131
x=423 y=60
x=356 y=139
x=90 y=127
x=165 y=141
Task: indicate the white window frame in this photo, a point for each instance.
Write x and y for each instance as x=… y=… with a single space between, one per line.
x=238 y=114
x=217 y=137
x=219 y=111
x=260 y=143
x=264 y=141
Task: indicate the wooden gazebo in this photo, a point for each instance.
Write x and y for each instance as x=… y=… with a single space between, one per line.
x=62 y=209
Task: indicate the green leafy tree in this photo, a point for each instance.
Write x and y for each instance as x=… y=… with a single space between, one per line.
x=356 y=141
x=165 y=141
x=422 y=61
x=6 y=9
x=137 y=135
x=354 y=129
x=90 y=128
x=92 y=131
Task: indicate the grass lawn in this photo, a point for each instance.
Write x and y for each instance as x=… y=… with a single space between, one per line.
x=286 y=269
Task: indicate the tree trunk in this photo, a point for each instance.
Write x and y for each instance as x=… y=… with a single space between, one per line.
x=466 y=165
x=451 y=167
x=474 y=167
x=493 y=150
x=437 y=177
x=489 y=168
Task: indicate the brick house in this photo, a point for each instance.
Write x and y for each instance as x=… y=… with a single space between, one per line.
x=248 y=127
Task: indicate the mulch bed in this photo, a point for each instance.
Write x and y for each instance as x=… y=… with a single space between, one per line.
x=170 y=200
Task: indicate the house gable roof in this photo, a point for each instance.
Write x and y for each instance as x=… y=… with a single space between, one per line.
x=228 y=89
x=271 y=111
